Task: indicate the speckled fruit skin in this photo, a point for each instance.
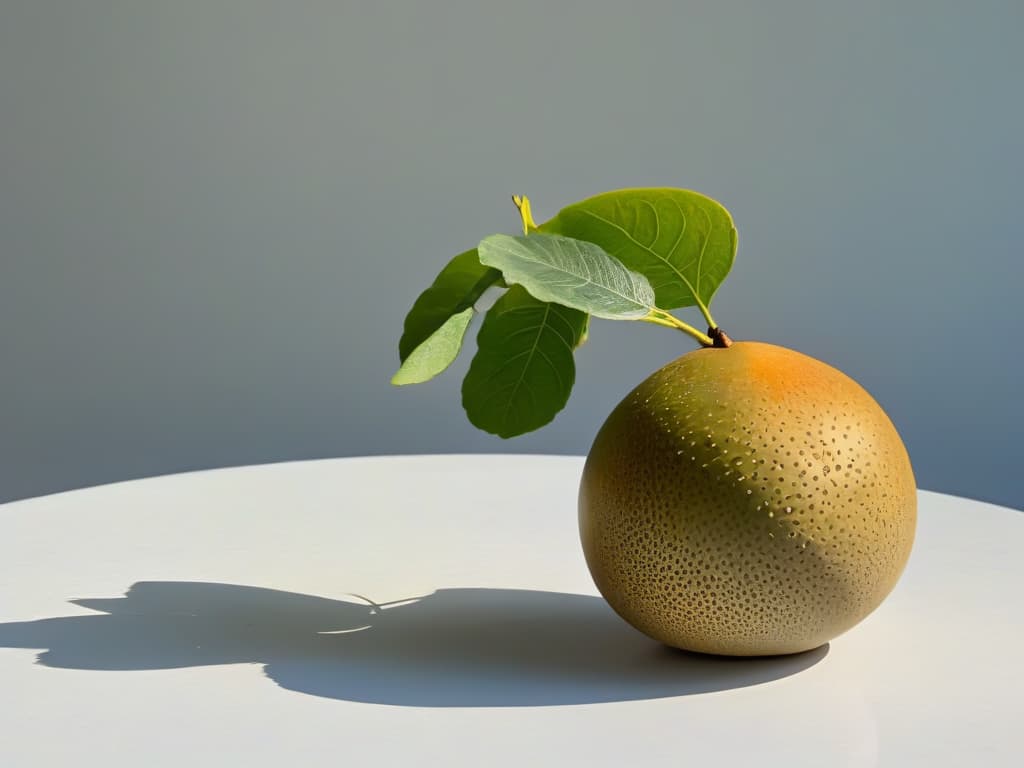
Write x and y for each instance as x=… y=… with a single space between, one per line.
x=747 y=501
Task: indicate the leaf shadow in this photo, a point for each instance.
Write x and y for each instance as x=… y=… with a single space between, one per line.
x=454 y=647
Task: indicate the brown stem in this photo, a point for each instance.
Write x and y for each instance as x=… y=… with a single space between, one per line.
x=720 y=338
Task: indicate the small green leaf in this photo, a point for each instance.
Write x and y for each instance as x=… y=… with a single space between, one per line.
x=523 y=371
x=570 y=272
x=456 y=288
x=436 y=353
x=682 y=241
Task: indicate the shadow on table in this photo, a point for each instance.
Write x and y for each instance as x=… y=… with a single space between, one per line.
x=454 y=647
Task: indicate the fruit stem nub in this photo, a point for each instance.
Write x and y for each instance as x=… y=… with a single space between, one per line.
x=720 y=339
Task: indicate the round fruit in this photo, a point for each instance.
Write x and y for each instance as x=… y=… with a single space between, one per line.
x=747 y=501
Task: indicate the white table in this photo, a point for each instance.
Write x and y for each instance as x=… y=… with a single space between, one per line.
x=208 y=619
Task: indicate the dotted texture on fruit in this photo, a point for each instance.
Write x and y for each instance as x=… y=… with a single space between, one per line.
x=747 y=501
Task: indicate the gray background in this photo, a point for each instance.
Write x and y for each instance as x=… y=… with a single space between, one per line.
x=214 y=215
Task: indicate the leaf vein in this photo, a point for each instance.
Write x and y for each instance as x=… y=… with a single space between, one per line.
x=553 y=367
x=636 y=242
x=657 y=222
x=521 y=380
x=707 y=239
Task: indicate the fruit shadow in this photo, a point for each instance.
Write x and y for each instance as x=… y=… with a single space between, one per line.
x=453 y=647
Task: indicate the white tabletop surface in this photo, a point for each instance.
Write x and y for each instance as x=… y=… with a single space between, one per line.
x=211 y=619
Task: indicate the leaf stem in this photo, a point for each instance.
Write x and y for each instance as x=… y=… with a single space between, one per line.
x=706 y=312
x=660 y=317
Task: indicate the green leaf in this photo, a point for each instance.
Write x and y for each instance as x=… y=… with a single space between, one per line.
x=456 y=288
x=682 y=241
x=523 y=371
x=436 y=353
x=570 y=272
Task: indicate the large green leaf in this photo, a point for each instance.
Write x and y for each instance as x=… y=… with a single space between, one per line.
x=523 y=370
x=456 y=288
x=570 y=272
x=437 y=352
x=682 y=241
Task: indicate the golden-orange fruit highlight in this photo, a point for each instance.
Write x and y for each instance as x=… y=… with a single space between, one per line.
x=747 y=501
